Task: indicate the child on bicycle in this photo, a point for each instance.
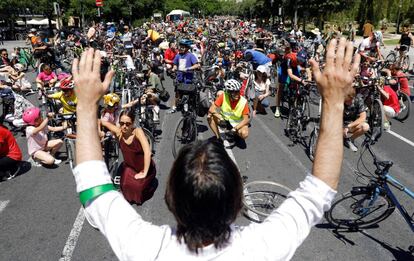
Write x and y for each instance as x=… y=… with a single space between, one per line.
x=47 y=78
x=40 y=148
x=66 y=97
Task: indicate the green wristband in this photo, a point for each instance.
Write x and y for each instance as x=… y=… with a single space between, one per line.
x=92 y=193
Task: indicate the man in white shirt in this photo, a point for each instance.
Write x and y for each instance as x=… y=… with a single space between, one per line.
x=205 y=212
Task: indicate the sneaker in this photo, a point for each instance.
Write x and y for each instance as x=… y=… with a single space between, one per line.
x=33 y=162
x=387 y=126
x=350 y=144
x=57 y=161
x=173 y=110
x=277 y=112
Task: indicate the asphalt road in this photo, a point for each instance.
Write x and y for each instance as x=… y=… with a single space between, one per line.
x=40 y=213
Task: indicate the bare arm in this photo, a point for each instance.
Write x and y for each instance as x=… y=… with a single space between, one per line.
x=111 y=127
x=140 y=135
x=333 y=84
x=362 y=117
x=89 y=90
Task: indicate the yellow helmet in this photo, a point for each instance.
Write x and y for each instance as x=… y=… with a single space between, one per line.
x=111 y=99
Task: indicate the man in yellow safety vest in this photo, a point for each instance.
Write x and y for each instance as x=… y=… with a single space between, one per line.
x=233 y=111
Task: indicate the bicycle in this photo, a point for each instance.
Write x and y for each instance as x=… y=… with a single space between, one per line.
x=299 y=112
x=186 y=128
x=313 y=137
x=260 y=198
x=372 y=98
x=405 y=102
x=365 y=206
x=111 y=156
x=402 y=59
x=70 y=136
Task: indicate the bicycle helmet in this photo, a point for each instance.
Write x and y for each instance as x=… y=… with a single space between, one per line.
x=30 y=115
x=378 y=36
x=111 y=99
x=185 y=42
x=302 y=57
x=232 y=85
x=67 y=84
x=156 y=50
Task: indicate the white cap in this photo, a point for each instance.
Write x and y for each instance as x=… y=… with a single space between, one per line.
x=262 y=69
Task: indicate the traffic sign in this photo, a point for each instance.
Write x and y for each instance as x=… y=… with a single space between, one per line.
x=99 y=3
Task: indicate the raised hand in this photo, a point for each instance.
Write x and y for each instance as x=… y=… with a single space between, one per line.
x=87 y=77
x=335 y=82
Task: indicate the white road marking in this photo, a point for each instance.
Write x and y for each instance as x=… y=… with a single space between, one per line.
x=3 y=205
x=401 y=138
x=73 y=237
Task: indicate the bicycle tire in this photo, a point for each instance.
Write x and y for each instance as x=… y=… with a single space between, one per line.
x=391 y=58
x=262 y=197
x=190 y=135
x=376 y=117
x=405 y=108
x=313 y=138
x=347 y=211
x=70 y=150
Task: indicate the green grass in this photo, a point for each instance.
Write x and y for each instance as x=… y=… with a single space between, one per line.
x=391 y=41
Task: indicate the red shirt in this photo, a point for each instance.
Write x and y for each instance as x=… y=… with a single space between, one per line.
x=170 y=55
x=233 y=104
x=403 y=83
x=8 y=145
x=392 y=101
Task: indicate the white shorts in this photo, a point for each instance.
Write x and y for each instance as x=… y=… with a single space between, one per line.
x=389 y=112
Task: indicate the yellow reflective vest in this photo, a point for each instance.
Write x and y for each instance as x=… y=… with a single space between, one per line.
x=233 y=116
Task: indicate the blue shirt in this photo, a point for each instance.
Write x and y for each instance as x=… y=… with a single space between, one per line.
x=183 y=61
x=259 y=58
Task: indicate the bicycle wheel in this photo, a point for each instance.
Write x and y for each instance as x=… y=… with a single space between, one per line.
x=150 y=139
x=405 y=104
x=185 y=133
x=313 y=138
x=360 y=208
x=70 y=151
x=376 y=117
x=262 y=197
x=391 y=58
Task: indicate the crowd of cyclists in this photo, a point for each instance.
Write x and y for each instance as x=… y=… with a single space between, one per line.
x=233 y=66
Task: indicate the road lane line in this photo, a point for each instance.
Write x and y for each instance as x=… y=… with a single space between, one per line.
x=73 y=237
x=3 y=205
x=401 y=138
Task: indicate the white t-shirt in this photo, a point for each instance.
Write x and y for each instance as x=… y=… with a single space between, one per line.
x=132 y=238
x=367 y=46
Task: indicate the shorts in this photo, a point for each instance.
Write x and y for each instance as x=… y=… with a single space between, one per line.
x=389 y=112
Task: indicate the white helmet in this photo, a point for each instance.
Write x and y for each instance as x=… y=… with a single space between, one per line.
x=232 y=85
x=19 y=67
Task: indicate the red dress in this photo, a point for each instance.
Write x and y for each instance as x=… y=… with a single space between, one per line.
x=136 y=190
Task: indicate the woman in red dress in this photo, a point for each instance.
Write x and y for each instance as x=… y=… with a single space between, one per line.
x=138 y=181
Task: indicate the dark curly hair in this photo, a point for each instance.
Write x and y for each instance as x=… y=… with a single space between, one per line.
x=204 y=192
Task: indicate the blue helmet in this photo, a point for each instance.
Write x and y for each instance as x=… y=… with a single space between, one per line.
x=302 y=56
x=186 y=42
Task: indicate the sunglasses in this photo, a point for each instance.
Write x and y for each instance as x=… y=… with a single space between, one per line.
x=121 y=123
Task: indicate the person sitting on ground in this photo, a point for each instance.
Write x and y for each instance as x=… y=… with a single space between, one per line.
x=10 y=154
x=66 y=96
x=46 y=78
x=138 y=171
x=20 y=83
x=233 y=111
x=205 y=189
x=391 y=104
x=261 y=89
x=355 y=116
x=40 y=148
x=4 y=58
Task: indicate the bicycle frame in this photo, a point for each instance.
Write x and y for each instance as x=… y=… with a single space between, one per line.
x=382 y=184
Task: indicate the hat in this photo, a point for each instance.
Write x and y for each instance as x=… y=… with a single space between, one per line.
x=316 y=31
x=262 y=69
